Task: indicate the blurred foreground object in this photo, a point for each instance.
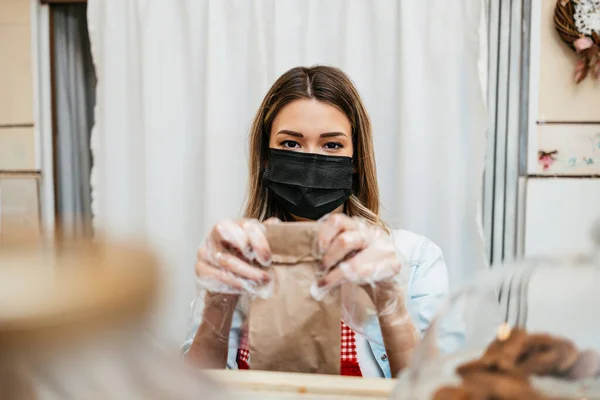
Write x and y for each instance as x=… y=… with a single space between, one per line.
x=73 y=319
x=532 y=332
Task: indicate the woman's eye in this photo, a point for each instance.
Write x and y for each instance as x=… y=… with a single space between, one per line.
x=290 y=144
x=333 y=146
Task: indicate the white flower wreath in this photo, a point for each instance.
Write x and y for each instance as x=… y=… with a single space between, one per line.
x=587 y=16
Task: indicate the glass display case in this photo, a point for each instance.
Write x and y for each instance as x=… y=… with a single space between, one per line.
x=531 y=330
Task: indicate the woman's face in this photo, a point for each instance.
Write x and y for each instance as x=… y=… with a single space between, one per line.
x=311 y=126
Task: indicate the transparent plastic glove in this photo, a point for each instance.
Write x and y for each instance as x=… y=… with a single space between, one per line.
x=354 y=250
x=230 y=259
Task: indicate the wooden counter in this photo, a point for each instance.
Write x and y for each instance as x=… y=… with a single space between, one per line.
x=262 y=385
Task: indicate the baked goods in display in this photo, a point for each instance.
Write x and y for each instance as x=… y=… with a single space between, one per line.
x=505 y=369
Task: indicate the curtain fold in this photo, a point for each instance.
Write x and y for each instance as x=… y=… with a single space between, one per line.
x=440 y=153
x=179 y=83
x=74 y=91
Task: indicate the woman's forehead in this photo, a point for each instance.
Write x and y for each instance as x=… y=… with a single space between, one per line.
x=311 y=117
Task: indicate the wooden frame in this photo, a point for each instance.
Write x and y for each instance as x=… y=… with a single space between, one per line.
x=27 y=216
x=40 y=30
x=53 y=116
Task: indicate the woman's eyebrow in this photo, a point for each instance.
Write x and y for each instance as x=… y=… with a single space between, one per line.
x=298 y=134
x=332 y=134
x=291 y=133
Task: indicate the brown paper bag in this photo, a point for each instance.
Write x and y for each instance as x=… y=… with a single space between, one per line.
x=290 y=331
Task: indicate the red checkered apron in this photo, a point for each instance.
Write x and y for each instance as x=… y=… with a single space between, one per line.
x=348 y=357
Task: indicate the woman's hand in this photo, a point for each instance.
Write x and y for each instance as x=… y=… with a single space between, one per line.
x=228 y=265
x=363 y=253
x=230 y=259
x=355 y=251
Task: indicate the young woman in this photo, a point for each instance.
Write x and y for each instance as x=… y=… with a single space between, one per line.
x=312 y=136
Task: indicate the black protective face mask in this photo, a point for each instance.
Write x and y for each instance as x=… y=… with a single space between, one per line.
x=308 y=185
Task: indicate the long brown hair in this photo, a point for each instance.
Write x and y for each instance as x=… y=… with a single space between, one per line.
x=332 y=86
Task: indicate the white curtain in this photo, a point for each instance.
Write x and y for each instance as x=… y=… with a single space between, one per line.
x=179 y=83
